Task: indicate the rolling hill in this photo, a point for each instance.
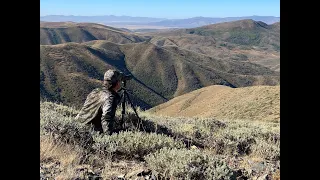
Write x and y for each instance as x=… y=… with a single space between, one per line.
x=69 y=71
x=243 y=40
x=62 y=32
x=202 y=21
x=261 y=103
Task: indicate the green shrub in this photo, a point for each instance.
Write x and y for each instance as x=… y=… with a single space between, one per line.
x=234 y=147
x=238 y=138
x=49 y=107
x=267 y=150
x=64 y=128
x=68 y=132
x=133 y=144
x=271 y=137
x=190 y=127
x=187 y=164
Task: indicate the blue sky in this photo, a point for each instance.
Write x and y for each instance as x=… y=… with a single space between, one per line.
x=161 y=8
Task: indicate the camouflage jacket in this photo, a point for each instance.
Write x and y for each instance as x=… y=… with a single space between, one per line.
x=99 y=109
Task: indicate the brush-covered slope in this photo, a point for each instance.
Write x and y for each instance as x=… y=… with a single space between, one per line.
x=62 y=32
x=68 y=72
x=164 y=147
x=261 y=103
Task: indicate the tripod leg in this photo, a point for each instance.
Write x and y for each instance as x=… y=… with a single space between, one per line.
x=123 y=111
x=135 y=111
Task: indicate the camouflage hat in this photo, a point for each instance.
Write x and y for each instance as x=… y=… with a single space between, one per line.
x=111 y=77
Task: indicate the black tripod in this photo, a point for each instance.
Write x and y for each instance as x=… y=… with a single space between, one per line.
x=125 y=95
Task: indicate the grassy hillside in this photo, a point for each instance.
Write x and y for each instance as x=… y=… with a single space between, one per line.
x=160 y=147
x=222 y=102
x=242 y=32
x=68 y=72
x=62 y=32
x=244 y=40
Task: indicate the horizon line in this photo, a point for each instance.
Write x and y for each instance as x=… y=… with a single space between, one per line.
x=161 y=17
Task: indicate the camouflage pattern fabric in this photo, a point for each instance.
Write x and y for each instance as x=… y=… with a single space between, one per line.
x=110 y=77
x=99 y=109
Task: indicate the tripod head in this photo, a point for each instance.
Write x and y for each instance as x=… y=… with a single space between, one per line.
x=124 y=79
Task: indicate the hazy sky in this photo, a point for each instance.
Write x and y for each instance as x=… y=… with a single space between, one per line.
x=161 y=8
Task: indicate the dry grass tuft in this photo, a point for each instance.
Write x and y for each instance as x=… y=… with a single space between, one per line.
x=66 y=154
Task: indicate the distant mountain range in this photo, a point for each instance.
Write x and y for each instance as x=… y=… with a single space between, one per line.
x=99 y=19
x=173 y=23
